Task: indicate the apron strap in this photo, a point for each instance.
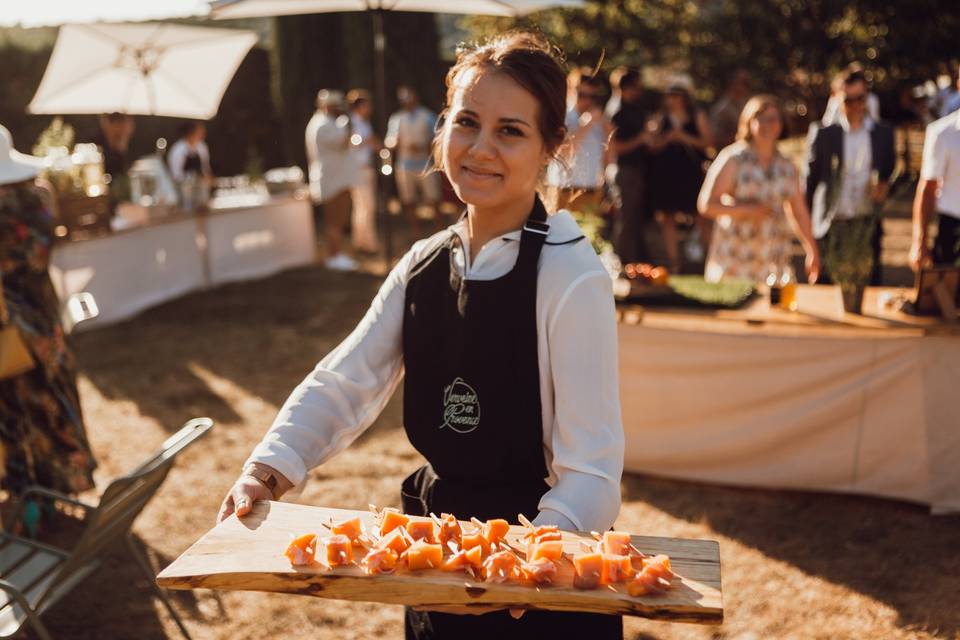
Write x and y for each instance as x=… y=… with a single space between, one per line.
x=532 y=238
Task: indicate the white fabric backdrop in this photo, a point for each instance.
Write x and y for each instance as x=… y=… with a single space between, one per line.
x=131 y=270
x=873 y=415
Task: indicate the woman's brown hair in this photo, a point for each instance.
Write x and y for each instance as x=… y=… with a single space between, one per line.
x=530 y=62
x=754 y=107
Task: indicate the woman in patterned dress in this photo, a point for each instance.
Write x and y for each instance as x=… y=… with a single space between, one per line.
x=753 y=193
x=42 y=437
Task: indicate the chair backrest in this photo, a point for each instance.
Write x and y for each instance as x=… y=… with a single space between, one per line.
x=126 y=497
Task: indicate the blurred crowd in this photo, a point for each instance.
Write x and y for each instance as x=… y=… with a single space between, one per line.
x=673 y=182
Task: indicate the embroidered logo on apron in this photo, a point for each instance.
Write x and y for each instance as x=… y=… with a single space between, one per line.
x=461 y=408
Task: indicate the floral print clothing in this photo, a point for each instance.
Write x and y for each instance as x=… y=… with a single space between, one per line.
x=42 y=436
x=749 y=249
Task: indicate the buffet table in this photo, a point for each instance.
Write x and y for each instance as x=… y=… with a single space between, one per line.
x=815 y=399
x=130 y=270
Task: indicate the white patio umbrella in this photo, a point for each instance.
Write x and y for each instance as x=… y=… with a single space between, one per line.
x=141 y=69
x=230 y=9
x=226 y=9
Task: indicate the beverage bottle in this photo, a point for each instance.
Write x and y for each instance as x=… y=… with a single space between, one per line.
x=788 y=289
x=773 y=284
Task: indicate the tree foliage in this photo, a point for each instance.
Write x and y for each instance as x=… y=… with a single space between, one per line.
x=792 y=47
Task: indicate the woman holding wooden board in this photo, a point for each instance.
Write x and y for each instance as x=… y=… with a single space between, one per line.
x=502 y=330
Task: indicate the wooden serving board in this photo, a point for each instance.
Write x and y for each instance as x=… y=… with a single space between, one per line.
x=247 y=555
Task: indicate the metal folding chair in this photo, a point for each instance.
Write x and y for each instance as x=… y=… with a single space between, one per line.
x=33 y=575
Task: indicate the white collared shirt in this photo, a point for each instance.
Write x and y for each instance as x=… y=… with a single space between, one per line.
x=328 y=156
x=579 y=389
x=177 y=157
x=941 y=162
x=854 y=196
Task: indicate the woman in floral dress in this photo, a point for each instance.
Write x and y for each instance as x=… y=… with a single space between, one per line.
x=42 y=437
x=753 y=193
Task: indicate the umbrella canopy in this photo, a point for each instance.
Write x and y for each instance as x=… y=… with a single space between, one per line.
x=141 y=69
x=226 y=9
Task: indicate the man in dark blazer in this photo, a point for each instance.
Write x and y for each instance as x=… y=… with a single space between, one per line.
x=849 y=166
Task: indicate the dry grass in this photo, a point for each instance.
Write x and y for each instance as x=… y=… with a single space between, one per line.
x=794 y=565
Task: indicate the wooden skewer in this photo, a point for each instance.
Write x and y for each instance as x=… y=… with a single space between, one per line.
x=522 y=519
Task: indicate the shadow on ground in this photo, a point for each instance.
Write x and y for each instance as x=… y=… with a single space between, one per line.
x=869 y=545
x=116 y=596
x=179 y=359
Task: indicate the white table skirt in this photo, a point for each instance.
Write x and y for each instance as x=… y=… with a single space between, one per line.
x=253 y=243
x=131 y=270
x=871 y=415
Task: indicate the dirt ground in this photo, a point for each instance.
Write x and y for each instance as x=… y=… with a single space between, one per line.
x=795 y=565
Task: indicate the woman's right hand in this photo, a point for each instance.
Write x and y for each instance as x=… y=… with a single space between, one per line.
x=245 y=491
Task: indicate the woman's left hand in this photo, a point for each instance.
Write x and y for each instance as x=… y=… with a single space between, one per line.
x=812 y=262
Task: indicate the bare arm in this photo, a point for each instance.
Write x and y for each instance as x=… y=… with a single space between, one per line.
x=798 y=217
x=716 y=195
x=923 y=205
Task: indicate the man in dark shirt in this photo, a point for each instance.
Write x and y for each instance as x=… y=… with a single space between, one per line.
x=114 y=142
x=631 y=138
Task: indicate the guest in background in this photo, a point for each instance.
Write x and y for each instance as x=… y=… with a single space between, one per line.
x=849 y=167
x=42 y=436
x=630 y=143
x=725 y=113
x=116 y=129
x=951 y=101
x=682 y=135
x=938 y=191
x=831 y=115
x=753 y=192
x=410 y=136
x=575 y=180
x=190 y=155
x=364 y=145
x=331 y=174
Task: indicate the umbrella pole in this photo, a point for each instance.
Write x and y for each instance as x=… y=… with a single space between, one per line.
x=380 y=95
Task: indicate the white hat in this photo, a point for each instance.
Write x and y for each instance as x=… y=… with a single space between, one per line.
x=15 y=166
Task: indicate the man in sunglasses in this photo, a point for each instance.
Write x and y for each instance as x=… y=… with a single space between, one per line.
x=849 y=168
x=576 y=179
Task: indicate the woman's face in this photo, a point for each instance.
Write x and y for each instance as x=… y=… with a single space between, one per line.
x=767 y=125
x=493 y=152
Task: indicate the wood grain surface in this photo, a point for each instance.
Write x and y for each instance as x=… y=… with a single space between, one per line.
x=247 y=555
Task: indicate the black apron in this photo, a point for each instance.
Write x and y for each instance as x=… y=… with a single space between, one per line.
x=192 y=164
x=471 y=406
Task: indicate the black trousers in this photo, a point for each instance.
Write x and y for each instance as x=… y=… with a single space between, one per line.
x=630 y=226
x=946 y=248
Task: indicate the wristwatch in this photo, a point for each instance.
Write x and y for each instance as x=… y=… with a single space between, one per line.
x=265 y=478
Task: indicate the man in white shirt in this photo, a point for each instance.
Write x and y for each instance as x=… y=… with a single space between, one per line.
x=849 y=168
x=576 y=180
x=938 y=191
x=332 y=173
x=410 y=135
